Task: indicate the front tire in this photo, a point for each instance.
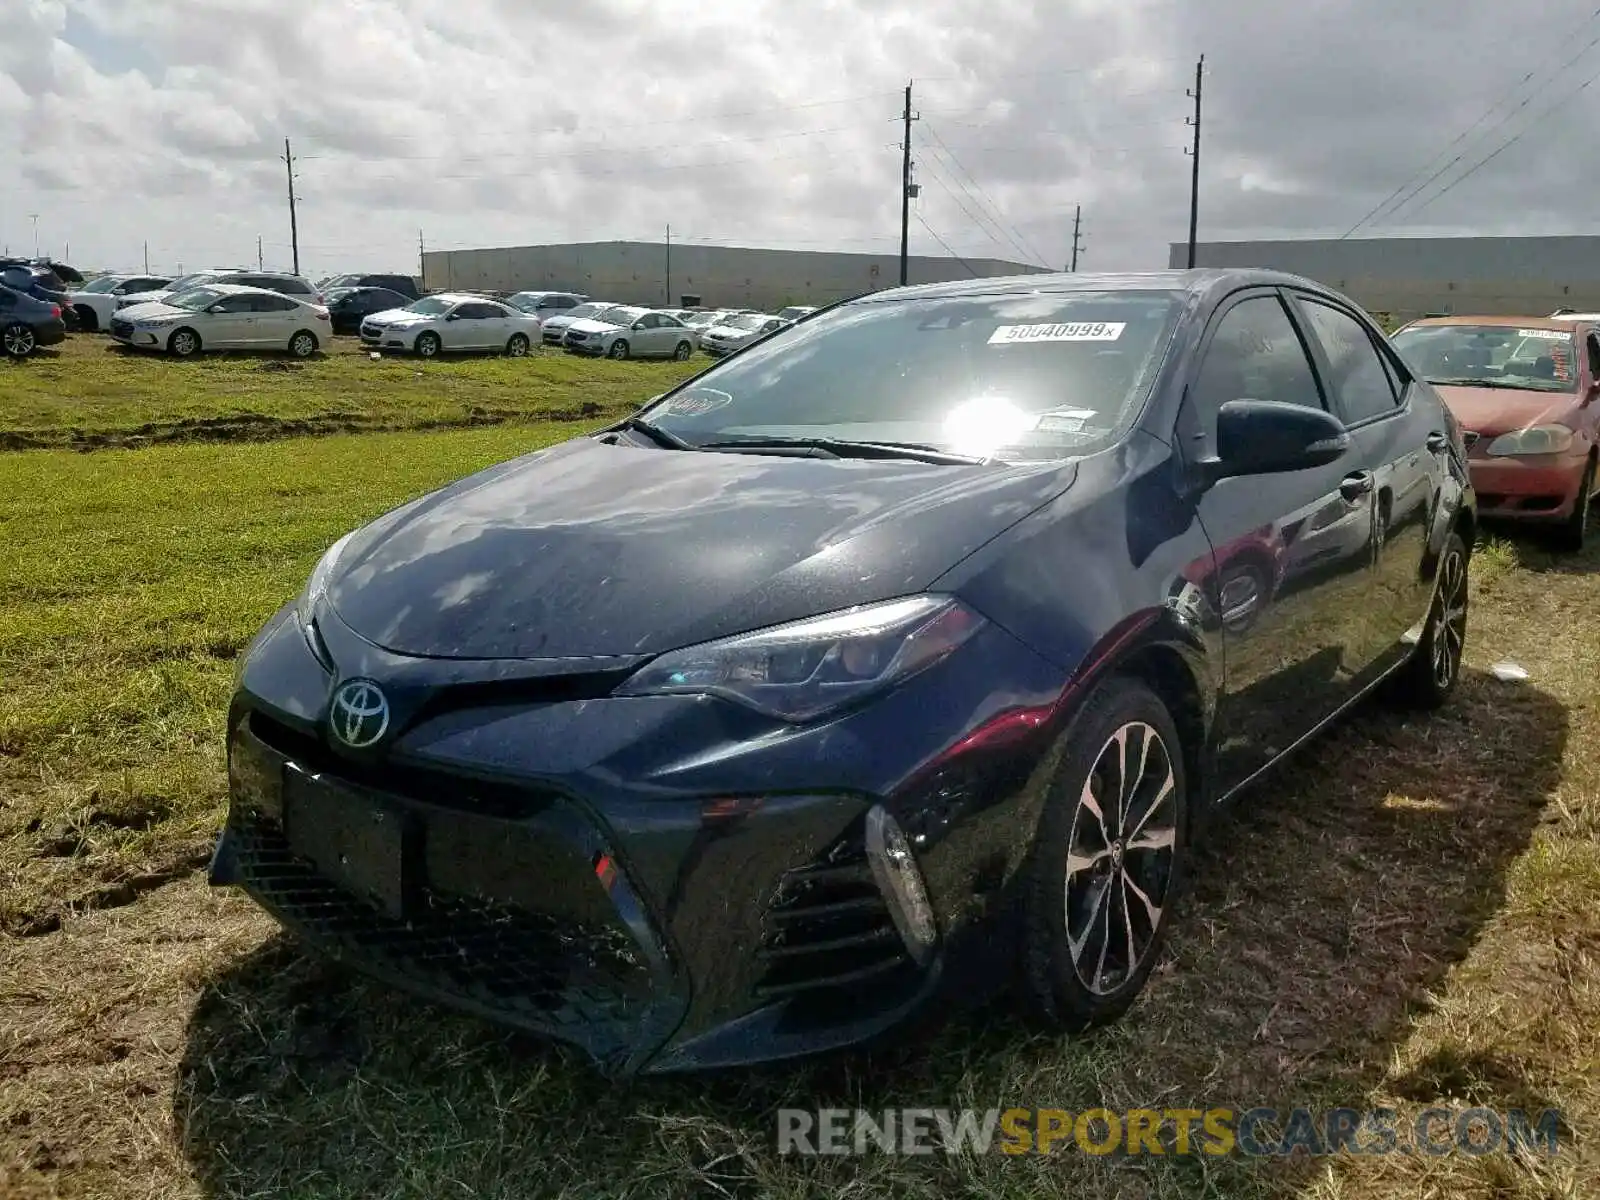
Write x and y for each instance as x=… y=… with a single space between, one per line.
x=517 y=347
x=619 y=349
x=1107 y=861
x=428 y=345
x=88 y=319
x=1427 y=680
x=303 y=344
x=19 y=340
x=1575 y=532
x=184 y=343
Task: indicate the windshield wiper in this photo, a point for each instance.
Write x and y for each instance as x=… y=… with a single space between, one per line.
x=1533 y=386
x=844 y=448
x=658 y=435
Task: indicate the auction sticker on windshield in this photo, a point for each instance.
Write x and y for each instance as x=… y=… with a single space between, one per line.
x=1554 y=335
x=699 y=402
x=1075 y=331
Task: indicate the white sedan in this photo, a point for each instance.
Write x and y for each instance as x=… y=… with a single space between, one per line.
x=449 y=322
x=223 y=317
x=737 y=332
x=632 y=333
x=96 y=300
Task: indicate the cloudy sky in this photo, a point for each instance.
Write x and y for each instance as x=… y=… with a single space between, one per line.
x=511 y=122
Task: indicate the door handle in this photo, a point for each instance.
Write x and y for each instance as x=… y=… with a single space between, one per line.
x=1437 y=442
x=1353 y=487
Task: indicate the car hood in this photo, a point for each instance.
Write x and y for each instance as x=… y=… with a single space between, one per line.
x=150 y=308
x=133 y=298
x=396 y=316
x=728 y=333
x=590 y=325
x=587 y=549
x=1493 y=411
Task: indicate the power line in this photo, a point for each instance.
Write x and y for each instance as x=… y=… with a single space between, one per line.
x=1465 y=133
x=1015 y=236
x=1503 y=147
x=966 y=265
x=971 y=216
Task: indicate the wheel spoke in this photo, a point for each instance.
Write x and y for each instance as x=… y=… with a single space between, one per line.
x=1159 y=838
x=1078 y=862
x=1105 y=937
x=1152 y=910
x=1091 y=802
x=1098 y=891
x=1156 y=801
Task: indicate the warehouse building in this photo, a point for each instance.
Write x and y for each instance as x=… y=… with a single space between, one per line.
x=1411 y=277
x=689 y=275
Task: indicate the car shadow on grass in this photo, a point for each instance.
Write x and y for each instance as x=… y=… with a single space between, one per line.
x=1323 y=910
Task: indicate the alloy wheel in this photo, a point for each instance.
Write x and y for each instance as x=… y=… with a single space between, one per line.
x=303 y=345
x=1450 y=619
x=682 y=352
x=1120 y=857
x=19 y=341
x=184 y=344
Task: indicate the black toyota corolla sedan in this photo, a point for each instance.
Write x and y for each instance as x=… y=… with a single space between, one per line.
x=908 y=648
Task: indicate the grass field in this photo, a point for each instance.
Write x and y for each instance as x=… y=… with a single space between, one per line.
x=92 y=393
x=1409 y=914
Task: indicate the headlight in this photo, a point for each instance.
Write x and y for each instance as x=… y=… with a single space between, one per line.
x=799 y=671
x=1537 y=439
x=305 y=607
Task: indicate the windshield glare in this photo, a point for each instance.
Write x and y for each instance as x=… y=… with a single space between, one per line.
x=430 y=306
x=104 y=284
x=189 y=281
x=195 y=299
x=1012 y=377
x=1542 y=360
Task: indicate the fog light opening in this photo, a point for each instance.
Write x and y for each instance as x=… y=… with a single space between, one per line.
x=894 y=868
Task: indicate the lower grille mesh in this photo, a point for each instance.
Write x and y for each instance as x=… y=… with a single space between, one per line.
x=532 y=967
x=828 y=929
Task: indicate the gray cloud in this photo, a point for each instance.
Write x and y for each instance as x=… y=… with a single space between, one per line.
x=495 y=121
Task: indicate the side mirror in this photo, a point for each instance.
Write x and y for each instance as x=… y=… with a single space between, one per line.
x=453 y=317
x=215 y=308
x=1263 y=437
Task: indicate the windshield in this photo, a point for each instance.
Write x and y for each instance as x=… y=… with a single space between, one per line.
x=526 y=301
x=341 y=281
x=586 y=310
x=793 y=314
x=430 y=306
x=751 y=321
x=1541 y=360
x=620 y=314
x=196 y=298
x=337 y=293
x=1018 y=377
x=104 y=284
x=189 y=281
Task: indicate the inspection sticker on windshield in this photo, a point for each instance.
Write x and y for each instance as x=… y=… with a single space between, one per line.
x=1076 y=331
x=1064 y=420
x=1554 y=335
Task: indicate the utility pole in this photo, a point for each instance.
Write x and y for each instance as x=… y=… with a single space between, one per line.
x=34 y=217
x=1194 y=155
x=260 y=265
x=147 y=258
x=905 y=189
x=422 y=262
x=669 y=266
x=294 y=231
x=68 y=252
x=1077 y=242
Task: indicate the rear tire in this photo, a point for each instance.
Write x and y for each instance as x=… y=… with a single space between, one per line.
x=682 y=352
x=1575 y=532
x=303 y=344
x=1427 y=680
x=19 y=340
x=619 y=349
x=184 y=343
x=428 y=344
x=517 y=347
x=1107 y=860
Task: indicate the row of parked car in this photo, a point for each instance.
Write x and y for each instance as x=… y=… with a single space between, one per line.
x=237 y=308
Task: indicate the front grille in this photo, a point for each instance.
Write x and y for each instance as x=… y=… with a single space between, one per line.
x=828 y=929
x=372 y=331
x=121 y=328
x=541 y=970
x=577 y=337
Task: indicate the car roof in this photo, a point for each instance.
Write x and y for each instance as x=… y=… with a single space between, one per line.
x=237 y=289
x=1562 y=324
x=1200 y=281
